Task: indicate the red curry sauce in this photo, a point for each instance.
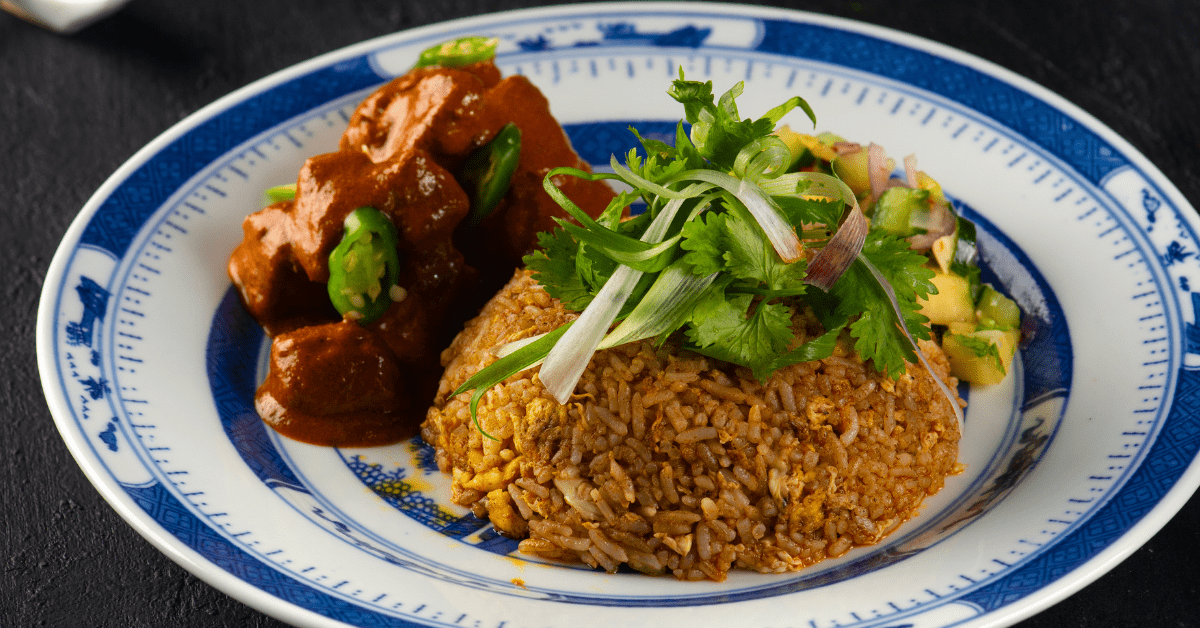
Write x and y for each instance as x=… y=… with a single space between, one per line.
x=334 y=382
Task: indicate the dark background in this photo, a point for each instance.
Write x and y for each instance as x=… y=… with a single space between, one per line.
x=74 y=108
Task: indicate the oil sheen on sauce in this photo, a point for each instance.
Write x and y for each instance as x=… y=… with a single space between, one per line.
x=335 y=382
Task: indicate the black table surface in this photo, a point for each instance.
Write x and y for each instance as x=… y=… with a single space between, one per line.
x=74 y=108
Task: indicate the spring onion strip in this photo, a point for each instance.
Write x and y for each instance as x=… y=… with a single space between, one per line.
x=568 y=359
x=765 y=211
x=669 y=299
x=644 y=255
x=566 y=203
x=658 y=307
x=509 y=348
x=515 y=362
x=671 y=296
x=819 y=184
x=658 y=228
x=642 y=183
x=777 y=113
x=705 y=203
x=781 y=235
x=651 y=259
x=836 y=256
x=891 y=295
x=764 y=158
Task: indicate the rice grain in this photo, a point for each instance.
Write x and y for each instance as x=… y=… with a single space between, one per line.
x=676 y=463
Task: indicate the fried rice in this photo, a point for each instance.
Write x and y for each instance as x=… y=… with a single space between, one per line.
x=672 y=462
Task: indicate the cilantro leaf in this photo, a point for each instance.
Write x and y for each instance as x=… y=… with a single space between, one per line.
x=808 y=211
x=732 y=241
x=594 y=268
x=903 y=268
x=718 y=131
x=686 y=152
x=877 y=335
x=818 y=348
x=693 y=95
x=653 y=146
x=554 y=267
x=723 y=327
x=704 y=241
x=750 y=256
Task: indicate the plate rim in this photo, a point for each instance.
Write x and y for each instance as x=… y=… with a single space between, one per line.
x=1086 y=573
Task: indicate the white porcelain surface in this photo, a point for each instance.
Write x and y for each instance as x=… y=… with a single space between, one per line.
x=149 y=363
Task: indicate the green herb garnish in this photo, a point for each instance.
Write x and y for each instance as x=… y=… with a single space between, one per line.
x=458 y=52
x=716 y=255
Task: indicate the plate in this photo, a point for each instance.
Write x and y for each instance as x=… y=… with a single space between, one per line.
x=149 y=363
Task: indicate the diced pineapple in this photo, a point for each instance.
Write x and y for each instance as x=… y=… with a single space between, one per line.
x=952 y=303
x=943 y=250
x=926 y=182
x=800 y=144
x=851 y=168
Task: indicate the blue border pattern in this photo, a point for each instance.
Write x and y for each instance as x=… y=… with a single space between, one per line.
x=1175 y=448
x=164 y=508
x=1050 y=128
x=1047 y=372
x=122 y=214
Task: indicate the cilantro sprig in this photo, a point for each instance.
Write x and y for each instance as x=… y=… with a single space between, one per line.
x=716 y=256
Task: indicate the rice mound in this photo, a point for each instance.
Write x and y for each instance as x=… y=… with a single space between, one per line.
x=672 y=462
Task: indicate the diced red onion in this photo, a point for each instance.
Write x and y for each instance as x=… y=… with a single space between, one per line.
x=836 y=256
x=877 y=169
x=910 y=170
x=941 y=222
x=846 y=148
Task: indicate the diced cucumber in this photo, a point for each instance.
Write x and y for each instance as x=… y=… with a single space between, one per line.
x=952 y=303
x=996 y=311
x=982 y=356
x=829 y=139
x=962 y=328
x=900 y=211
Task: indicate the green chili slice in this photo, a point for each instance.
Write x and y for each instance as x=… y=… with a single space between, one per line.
x=487 y=173
x=459 y=52
x=364 y=269
x=281 y=193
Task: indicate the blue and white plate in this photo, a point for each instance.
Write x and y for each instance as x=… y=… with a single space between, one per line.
x=149 y=363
